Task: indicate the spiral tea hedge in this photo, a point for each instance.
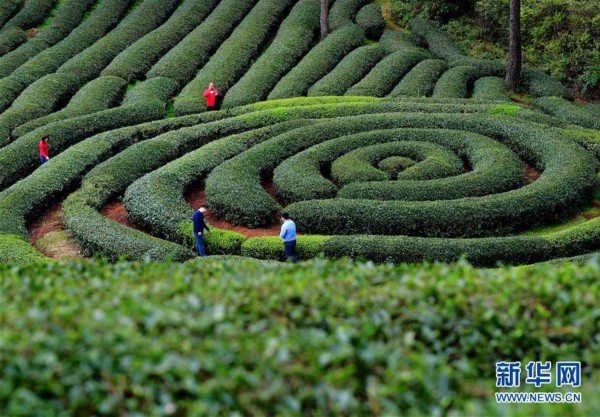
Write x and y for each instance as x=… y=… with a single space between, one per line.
x=382 y=145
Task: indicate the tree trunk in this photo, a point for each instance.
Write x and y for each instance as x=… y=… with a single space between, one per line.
x=515 y=54
x=324 y=18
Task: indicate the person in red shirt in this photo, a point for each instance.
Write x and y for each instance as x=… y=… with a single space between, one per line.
x=44 y=151
x=211 y=97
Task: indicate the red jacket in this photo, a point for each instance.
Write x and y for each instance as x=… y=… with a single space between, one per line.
x=44 y=149
x=211 y=96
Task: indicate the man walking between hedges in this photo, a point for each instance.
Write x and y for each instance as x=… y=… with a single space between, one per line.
x=44 y=150
x=288 y=234
x=199 y=227
x=211 y=97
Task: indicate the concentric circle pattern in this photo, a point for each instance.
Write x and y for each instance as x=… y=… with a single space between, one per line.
x=398 y=150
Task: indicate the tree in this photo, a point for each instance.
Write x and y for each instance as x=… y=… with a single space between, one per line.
x=324 y=18
x=515 y=54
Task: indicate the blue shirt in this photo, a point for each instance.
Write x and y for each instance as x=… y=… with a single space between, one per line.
x=288 y=231
x=199 y=224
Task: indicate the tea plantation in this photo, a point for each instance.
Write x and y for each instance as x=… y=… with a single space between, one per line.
x=386 y=145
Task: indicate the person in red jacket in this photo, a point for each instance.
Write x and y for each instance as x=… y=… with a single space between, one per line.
x=44 y=151
x=211 y=97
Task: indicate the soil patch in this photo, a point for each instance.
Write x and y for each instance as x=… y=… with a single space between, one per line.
x=531 y=174
x=48 y=235
x=115 y=210
x=196 y=197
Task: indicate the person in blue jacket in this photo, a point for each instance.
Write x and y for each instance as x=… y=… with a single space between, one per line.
x=199 y=227
x=288 y=234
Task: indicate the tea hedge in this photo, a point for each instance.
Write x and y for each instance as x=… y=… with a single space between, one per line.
x=353 y=68
x=371 y=21
x=13 y=31
x=97 y=95
x=438 y=42
x=422 y=352
x=183 y=61
x=293 y=40
x=67 y=18
x=568 y=112
x=387 y=73
x=318 y=62
x=392 y=41
x=135 y=61
x=95 y=27
x=271 y=247
x=421 y=80
x=147 y=16
x=457 y=82
x=39 y=99
x=156 y=201
x=8 y=9
x=235 y=55
x=490 y=88
x=343 y=13
x=496 y=214
x=21 y=156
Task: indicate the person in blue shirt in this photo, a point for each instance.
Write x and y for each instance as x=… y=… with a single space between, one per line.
x=288 y=234
x=199 y=227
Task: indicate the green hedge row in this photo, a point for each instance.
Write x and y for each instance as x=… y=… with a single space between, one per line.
x=492 y=67
x=67 y=18
x=593 y=108
x=17 y=250
x=99 y=235
x=392 y=41
x=541 y=84
x=514 y=250
x=437 y=40
x=457 y=82
x=343 y=12
x=183 y=61
x=234 y=190
x=271 y=247
x=8 y=9
x=353 y=68
x=25 y=199
x=490 y=88
x=11 y=38
x=101 y=21
x=21 y=156
x=568 y=112
x=319 y=62
x=295 y=37
x=234 y=56
x=147 y=16
x=370 y=19
x=159 y=88
x=321 y=336
x=97 y=95
x=387 y=73
x=566 y=183
x=32 y=14
x=156 y=201
x=421 y=80
x=495 y=169
x=135 y=61
x=39 y=99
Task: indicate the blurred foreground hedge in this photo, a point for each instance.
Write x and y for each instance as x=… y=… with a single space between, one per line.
x=245 y=338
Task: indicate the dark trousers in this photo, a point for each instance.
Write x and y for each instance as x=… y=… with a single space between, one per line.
x=200 y=245
x=211 y=108
x=290 y=251
x=43 y=160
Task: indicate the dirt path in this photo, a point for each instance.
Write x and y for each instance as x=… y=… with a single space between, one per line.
x=115 y=210
x=48 y=235
x=196 y=198
x=386 y=11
